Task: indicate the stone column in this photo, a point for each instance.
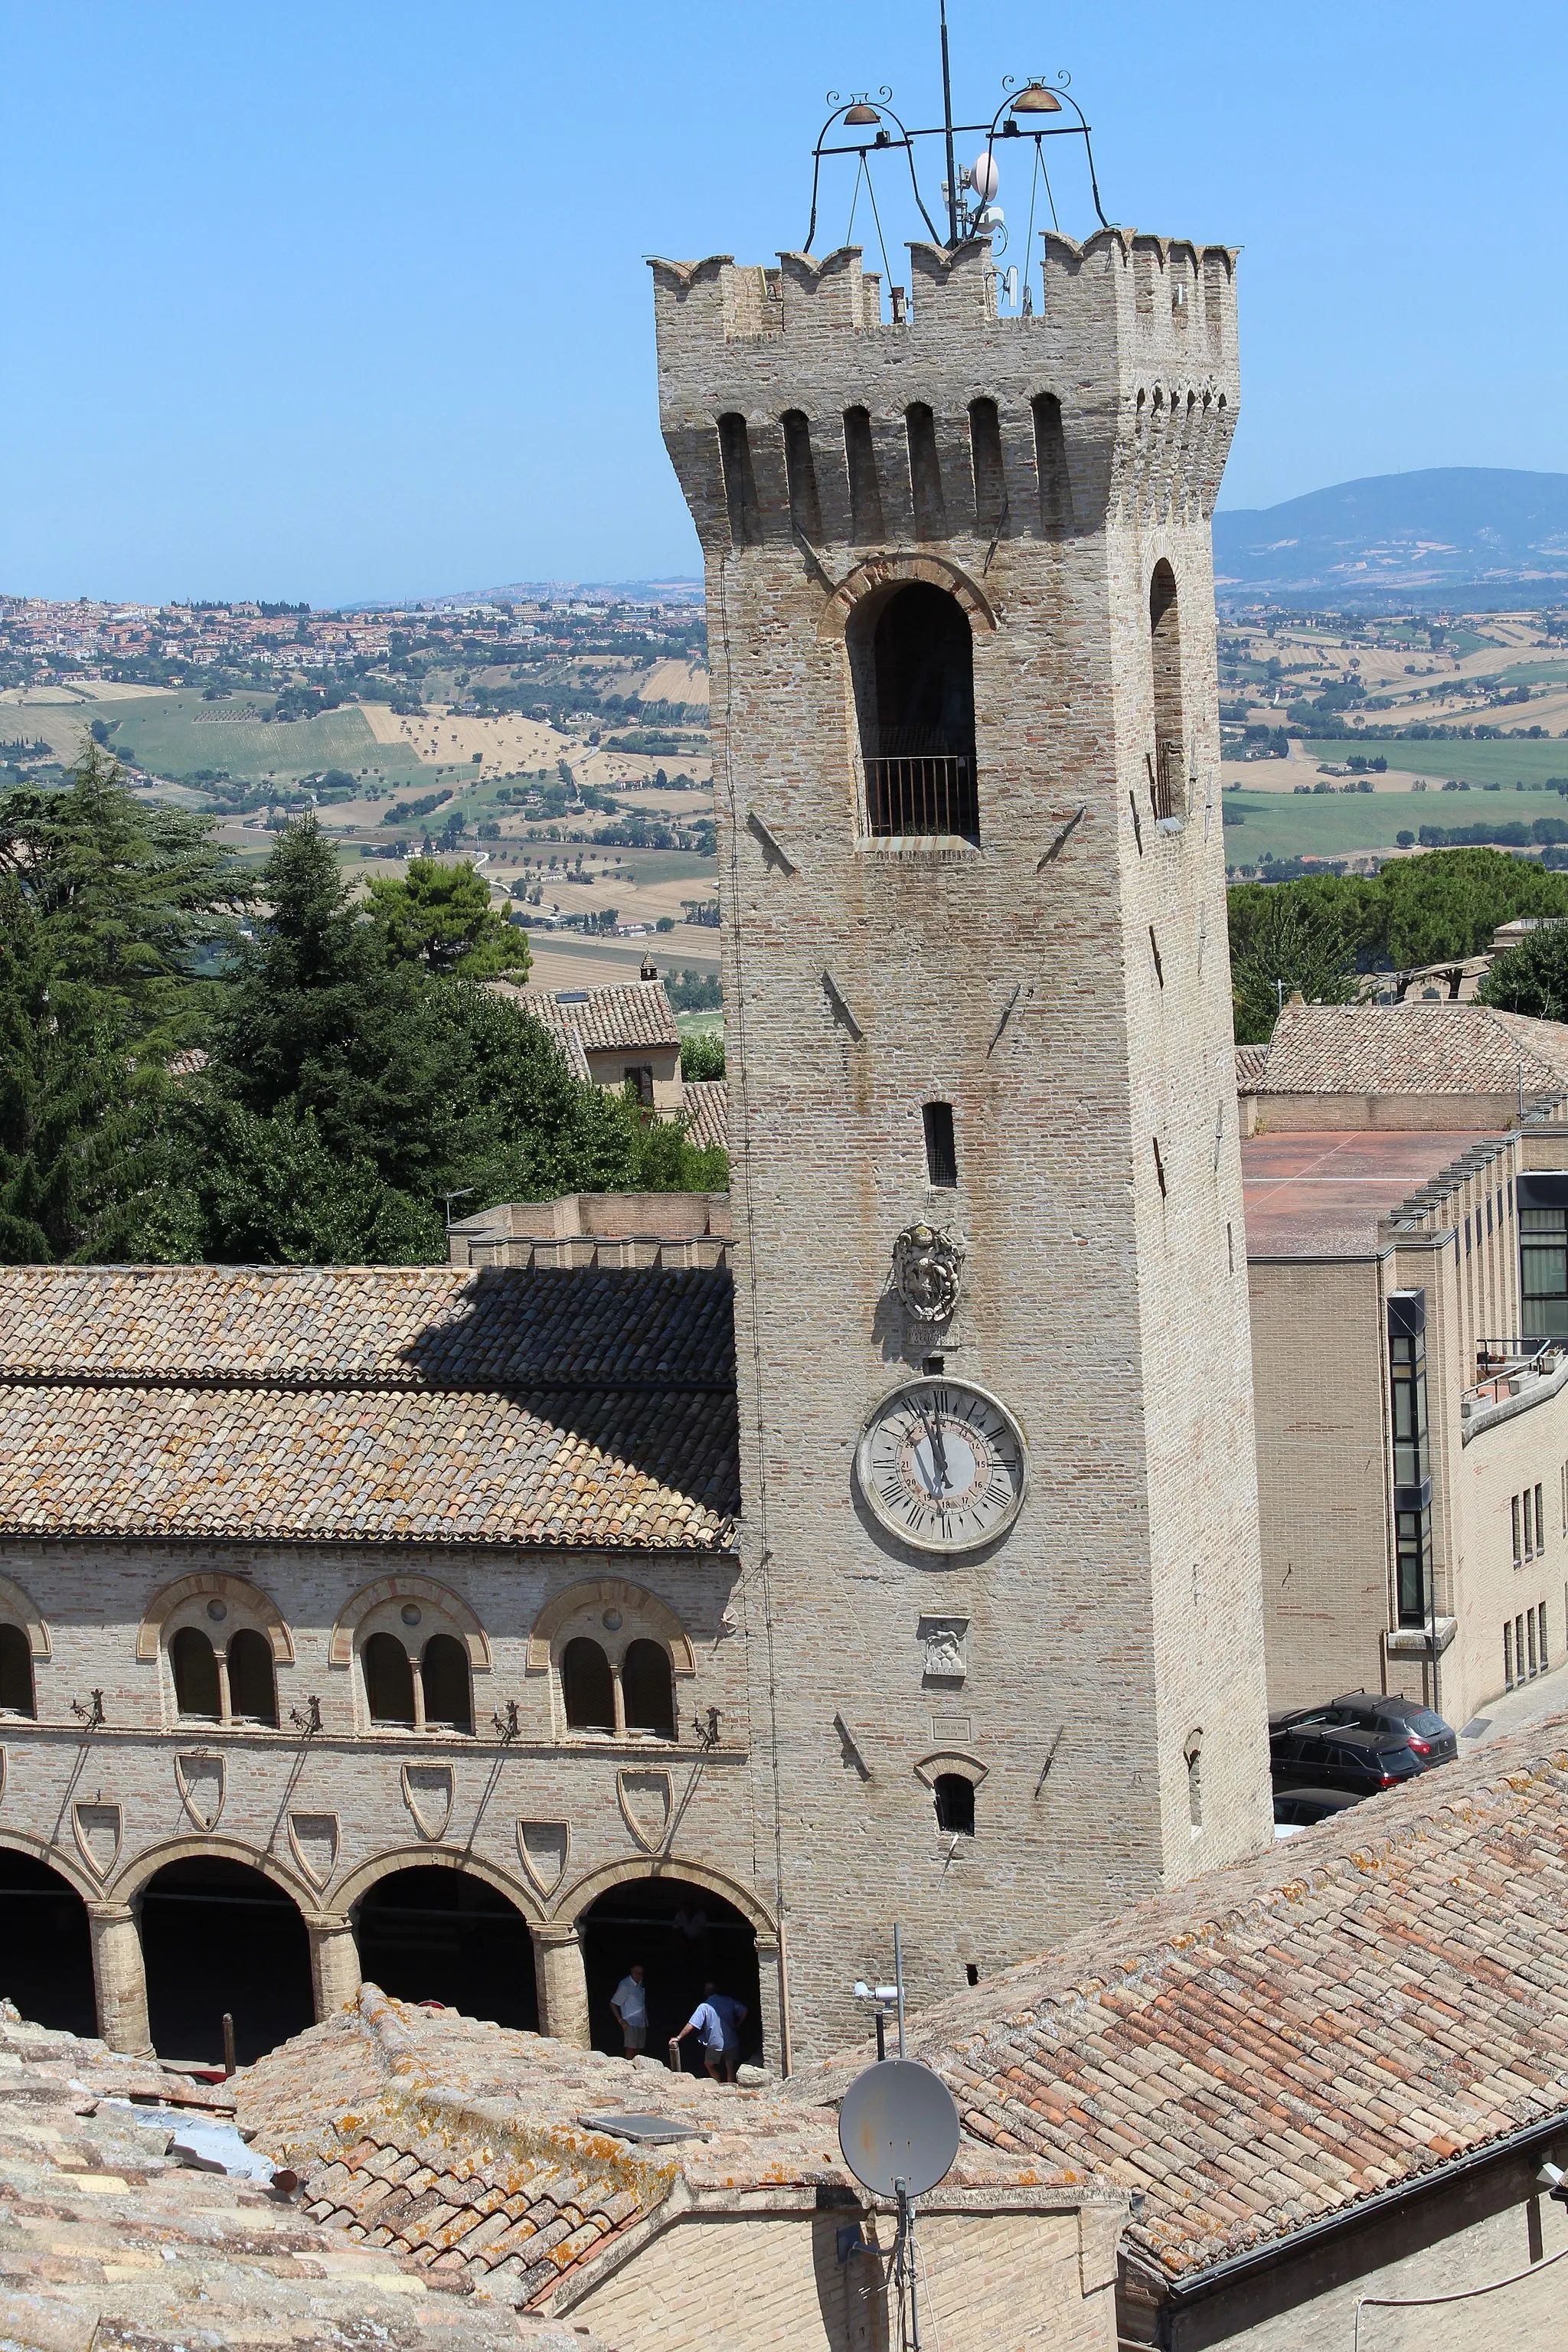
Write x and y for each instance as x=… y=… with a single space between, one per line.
x=770 y=2004
x=335 y=1962
x=119 y=1980
x=562 y=1984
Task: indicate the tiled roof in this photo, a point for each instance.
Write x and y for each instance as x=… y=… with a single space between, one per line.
x=1251 y=1063
x=707 y=1113
x=108 y=2240
x=1413 y=1049
x=432 y=1405
x=608 y=1020
x=1282 y=2039
x=436 y=1326
x=466 y=2147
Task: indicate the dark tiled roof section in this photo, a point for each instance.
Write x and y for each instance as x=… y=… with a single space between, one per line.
x=1251 y=1063
x=1280 y=2040
x=1413 y=1049
x=348 y=1327
x=707 y=1113
x=629 y=1470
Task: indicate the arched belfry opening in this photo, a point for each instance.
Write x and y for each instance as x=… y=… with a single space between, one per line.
x=433 y=1933
x=685 y=1939
x=218 y=1936
x=46 y=1949
x=911 y=658
x=1165 y=651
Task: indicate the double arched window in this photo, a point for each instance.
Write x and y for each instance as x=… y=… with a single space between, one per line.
x=429 y=1689
x=636 y=1695
x=234 y=1682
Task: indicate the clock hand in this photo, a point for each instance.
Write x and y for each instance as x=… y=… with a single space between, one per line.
x=938 y=1450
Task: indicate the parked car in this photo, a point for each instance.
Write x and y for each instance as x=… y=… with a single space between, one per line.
x=1360 y=1742
x=1296 y=1809
x=1435 y=1741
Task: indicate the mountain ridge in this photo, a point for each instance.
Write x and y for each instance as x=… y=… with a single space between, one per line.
x=1442 y=534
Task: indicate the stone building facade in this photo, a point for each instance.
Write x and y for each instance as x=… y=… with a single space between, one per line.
x=490 y=1612
x=965 y=746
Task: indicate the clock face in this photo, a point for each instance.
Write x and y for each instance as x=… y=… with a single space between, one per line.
x=942 y=1466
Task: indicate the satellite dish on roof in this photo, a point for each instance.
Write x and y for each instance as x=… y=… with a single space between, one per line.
x=899 y=2128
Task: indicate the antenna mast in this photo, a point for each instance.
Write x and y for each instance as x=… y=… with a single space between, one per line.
x=947 y=126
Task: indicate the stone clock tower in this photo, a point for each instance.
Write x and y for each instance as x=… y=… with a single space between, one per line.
x=1000 y=1585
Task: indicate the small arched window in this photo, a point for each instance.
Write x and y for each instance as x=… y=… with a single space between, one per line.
x=647 y=1689
x=388 y=1680
x=252 y=1686
x=447 y=1692
x=954 y=1798
x=587 y=1688
x=1166 y=652
x=15 y=1672
x=195 y=1675
x=911 y=656
x=1194 y=1752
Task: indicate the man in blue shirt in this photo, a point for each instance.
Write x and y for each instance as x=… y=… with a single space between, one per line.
x=716 y=2021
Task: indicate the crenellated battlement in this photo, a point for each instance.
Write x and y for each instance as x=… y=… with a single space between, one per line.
x=792 y=408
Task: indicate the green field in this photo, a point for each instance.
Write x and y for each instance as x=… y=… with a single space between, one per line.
x=177 y=736
x=1338 y=825
x=1519 y=762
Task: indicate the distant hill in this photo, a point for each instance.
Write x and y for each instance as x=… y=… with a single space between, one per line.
x=1450 y=534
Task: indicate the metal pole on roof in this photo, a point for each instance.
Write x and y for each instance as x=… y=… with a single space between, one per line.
x=899 y=1979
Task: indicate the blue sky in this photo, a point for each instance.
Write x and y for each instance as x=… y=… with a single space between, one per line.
x=348 y=299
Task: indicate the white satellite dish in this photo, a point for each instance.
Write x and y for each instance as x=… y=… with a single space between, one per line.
x=899 y=2128
x=984 y=176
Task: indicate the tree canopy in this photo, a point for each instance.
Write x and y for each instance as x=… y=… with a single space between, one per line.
x=1324 y=934
x=1533 y=977
x=353 y=1071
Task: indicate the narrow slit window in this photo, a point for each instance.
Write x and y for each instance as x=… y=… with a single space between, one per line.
x=941 y=1152
x=985 y=456
x=740 y=481
x=1166 y=653
x=865 y=488
x=925 y=472
x=1051 y=467
x=800 y=473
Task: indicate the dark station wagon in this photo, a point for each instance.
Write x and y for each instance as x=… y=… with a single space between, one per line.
x=1361 y=1742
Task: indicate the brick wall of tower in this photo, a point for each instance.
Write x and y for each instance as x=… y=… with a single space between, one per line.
x=1122 y=1614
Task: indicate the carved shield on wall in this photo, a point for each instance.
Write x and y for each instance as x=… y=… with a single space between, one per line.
x=428 y=1793
x=97 y=1831
x=313 y=1842
x=542 y=1848
x=646 y=1806
x=201 y=1784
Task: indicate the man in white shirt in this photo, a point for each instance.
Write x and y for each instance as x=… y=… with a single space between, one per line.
x=629 y=2001
x=716 y=2021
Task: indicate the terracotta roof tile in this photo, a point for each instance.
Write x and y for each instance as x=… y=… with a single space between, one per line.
x=618 y=1019
x=1280 y=2039
x=1411 y=1049
x=707 y=1113
x=513 y=1405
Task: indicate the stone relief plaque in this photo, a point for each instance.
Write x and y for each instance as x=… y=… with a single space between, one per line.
x=646 y=1806
x=943 y=1641
x=428 y=1793
x=97 y=1829
x=542 y=1848
x=200 y=1780
x=928 y=1270
x=313 y=1842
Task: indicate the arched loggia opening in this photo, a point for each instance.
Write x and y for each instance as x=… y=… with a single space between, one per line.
x=912 y=658
x=217 y=1935
x=45 y=1946
x=685 y=1939
x=444 y=1935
